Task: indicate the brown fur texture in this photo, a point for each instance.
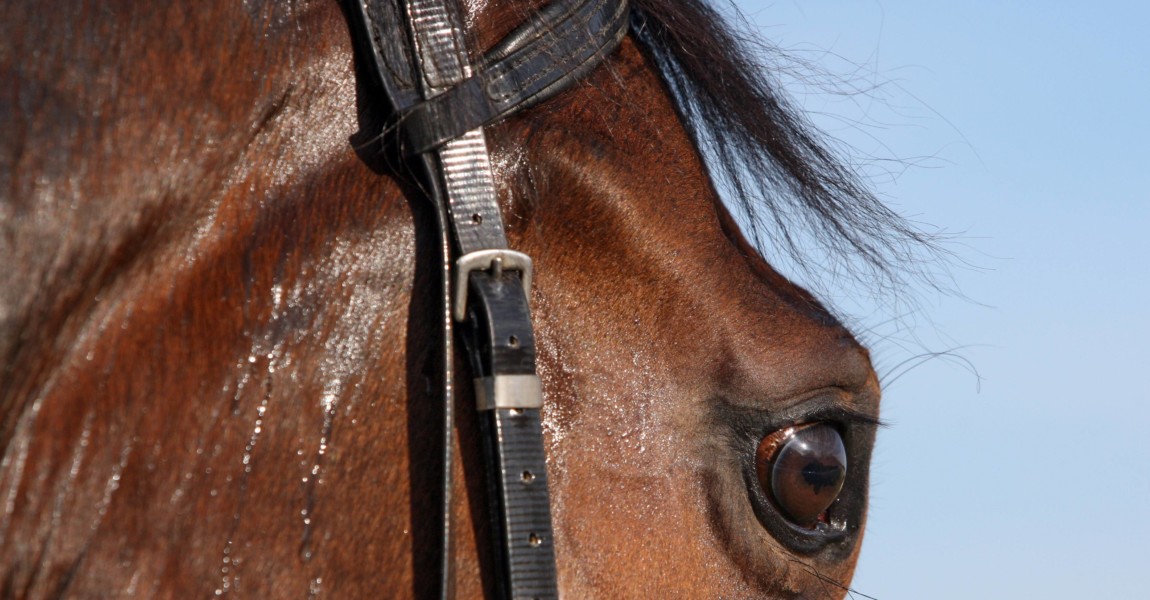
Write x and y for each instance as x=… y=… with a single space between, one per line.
x=217 y=340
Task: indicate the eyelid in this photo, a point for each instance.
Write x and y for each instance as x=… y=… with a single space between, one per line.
x=753 y=420
x=778 y=380
x=862 y=403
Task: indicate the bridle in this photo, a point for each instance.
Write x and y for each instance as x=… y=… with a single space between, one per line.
x=439 y=103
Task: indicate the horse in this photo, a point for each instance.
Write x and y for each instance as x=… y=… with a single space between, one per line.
x=219 y=322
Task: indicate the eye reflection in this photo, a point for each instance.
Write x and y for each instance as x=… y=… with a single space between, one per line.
x=803 y=469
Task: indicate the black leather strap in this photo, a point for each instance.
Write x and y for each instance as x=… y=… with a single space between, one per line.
x=540 y=58
x=500 y=331
x=440 y=102
x=536 y=61
x=512 y=439
x=499 y=328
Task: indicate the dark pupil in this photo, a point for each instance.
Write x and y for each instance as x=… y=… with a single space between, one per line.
x=820 y=476
x=807 y=473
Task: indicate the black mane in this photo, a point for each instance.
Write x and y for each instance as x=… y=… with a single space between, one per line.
x=774 y=166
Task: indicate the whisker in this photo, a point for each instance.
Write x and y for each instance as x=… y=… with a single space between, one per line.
x=832 y=583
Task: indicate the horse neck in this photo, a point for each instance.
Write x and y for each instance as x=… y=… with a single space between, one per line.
x=200 y=264
x=143 y=133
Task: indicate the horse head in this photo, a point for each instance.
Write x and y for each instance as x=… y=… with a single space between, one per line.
x=220 y=330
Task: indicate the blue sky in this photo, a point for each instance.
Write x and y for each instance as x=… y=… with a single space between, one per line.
x=1022 y=127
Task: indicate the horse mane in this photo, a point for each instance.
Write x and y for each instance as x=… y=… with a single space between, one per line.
x=777 y=170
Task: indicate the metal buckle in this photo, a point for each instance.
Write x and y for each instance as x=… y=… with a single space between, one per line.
x=497 y=261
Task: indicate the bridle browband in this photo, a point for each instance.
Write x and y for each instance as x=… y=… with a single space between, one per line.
x=439 y=102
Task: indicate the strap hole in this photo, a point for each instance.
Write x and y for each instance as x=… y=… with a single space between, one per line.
x=534 y=540
x=513 y=341
x=477 y=219
x=527 y=477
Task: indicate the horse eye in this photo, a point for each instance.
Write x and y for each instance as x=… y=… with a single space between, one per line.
x=802 y=469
